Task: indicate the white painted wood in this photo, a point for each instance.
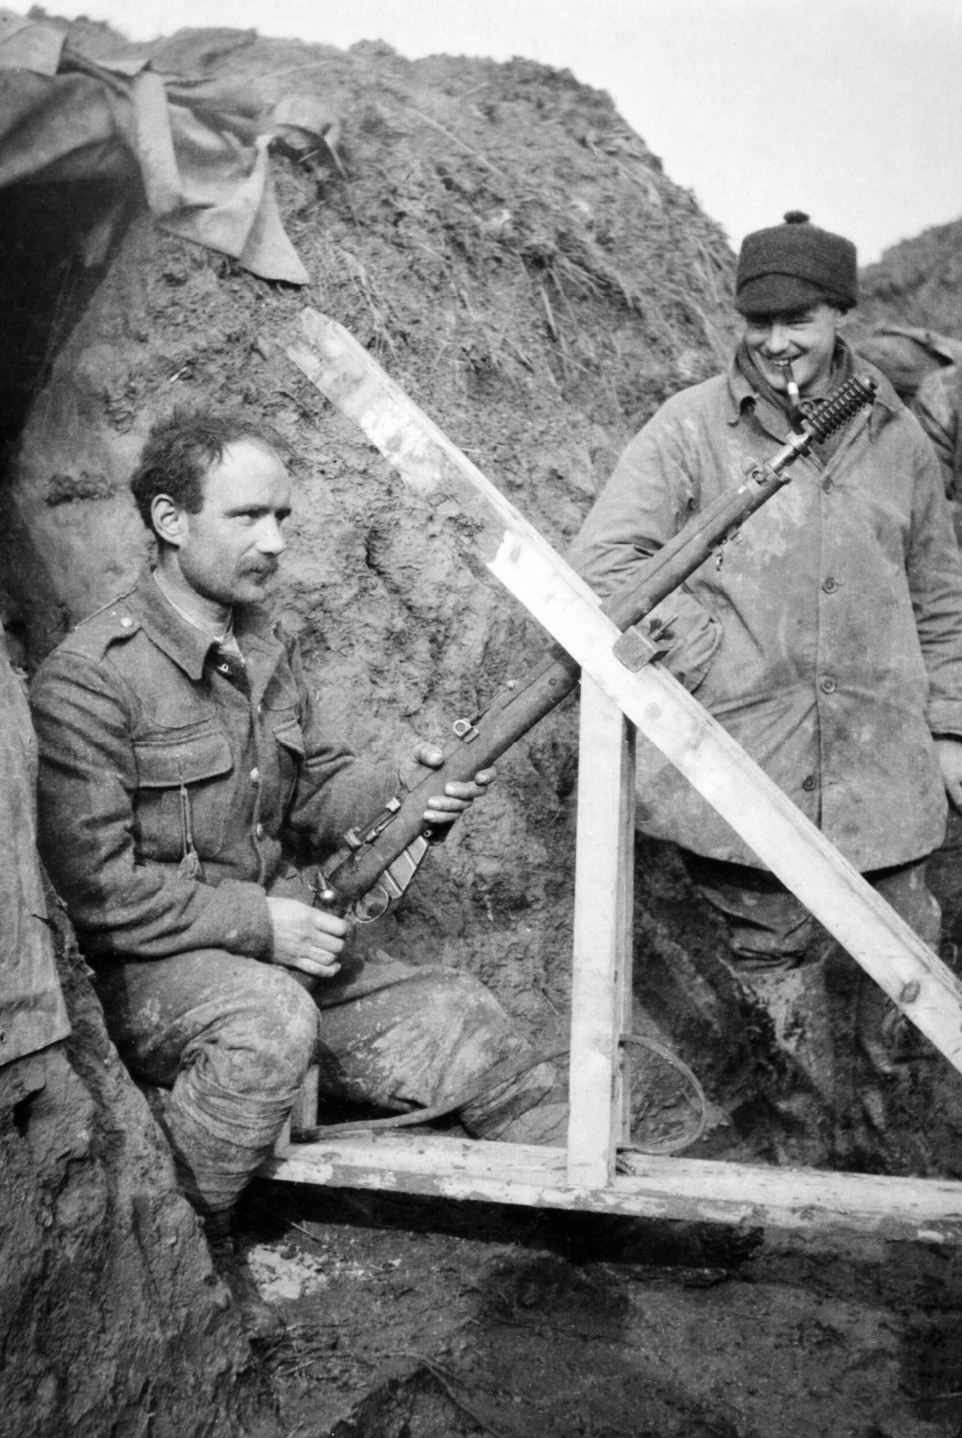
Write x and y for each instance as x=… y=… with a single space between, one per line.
x=625 y=822
x=928 y=1210
x=282 y=1143
x=304 y=1112
x=602 y=936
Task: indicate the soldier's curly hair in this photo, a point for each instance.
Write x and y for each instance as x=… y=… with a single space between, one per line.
x=182 y=447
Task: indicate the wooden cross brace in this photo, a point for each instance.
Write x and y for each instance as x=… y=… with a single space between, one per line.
x=584 y=1176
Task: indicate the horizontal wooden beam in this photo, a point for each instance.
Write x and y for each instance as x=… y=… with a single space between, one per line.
x=694 y=1190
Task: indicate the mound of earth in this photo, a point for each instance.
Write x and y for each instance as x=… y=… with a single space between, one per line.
x=917 y=282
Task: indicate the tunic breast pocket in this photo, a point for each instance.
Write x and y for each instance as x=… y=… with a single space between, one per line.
x=181 y=783
x=290 y=753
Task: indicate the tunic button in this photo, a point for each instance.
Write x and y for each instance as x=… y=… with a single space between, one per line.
x=259 y=831
x=809 y=782
x=126 y=623
x=255 y=776
x=830 y=586
x=827 y=486
x=829 y=686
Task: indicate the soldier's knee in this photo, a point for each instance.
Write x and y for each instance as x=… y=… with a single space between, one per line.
x=276 y=1033
x=459 y=998
x=295 y=1016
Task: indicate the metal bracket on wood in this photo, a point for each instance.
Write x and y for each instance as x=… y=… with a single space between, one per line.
x=636 y=647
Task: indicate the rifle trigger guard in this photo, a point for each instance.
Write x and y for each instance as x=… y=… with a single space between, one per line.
x=392 y=884
x=373 y=905
x=635 y=648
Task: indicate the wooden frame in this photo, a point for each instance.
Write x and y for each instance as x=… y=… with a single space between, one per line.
x=586 y=1176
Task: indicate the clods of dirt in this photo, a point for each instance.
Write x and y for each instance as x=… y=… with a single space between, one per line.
x=424 y=1319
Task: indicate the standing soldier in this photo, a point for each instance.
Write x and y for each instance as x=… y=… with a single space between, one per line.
x=828 y=640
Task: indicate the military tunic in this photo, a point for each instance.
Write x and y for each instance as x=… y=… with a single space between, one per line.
x=156 y=746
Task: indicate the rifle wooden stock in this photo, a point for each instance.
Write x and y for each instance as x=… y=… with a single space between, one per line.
x=513 y=711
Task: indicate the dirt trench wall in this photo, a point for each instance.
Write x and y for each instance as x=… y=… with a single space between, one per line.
x=917 y=282
x=111 y=1319
x=517 y=259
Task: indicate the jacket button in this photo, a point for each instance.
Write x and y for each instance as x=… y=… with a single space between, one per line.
x=827 y=486
x=258 y=831
x=809 y=782
x=126 y=623
x=829 y=686
x=830 y=585
x=255 y=776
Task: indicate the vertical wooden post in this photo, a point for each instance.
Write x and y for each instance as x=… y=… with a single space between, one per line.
x=601 y=984
x=304 y=1112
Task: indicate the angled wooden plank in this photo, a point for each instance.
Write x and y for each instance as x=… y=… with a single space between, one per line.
x=601 y=974
x=517 y=555
x=747 y=1195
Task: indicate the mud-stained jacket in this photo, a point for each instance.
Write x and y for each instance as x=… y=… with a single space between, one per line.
x=827 y=641
x=156 y=746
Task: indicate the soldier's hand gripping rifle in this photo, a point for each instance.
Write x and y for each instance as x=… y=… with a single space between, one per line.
x=378 y=860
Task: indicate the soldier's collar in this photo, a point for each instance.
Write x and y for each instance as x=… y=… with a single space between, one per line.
x=180 y=639
x=225 y=636
x=741 y=392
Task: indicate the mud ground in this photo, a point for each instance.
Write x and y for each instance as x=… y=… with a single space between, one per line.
x=409 y=1318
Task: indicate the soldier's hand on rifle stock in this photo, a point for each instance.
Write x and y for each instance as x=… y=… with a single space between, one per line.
x=305 y=938
x=950 y=758
x=445 y=808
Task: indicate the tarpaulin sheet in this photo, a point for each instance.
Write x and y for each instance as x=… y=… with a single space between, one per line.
x=195 y=145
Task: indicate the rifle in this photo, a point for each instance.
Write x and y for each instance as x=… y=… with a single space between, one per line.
x=377 y=861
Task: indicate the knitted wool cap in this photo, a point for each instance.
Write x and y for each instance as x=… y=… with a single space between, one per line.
x=793 y=265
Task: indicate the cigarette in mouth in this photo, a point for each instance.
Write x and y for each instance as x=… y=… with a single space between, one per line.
x=791 y=385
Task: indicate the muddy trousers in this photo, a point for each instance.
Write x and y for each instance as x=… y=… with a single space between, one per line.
x=770 y=930
x=232 y=1039
x=779 y=951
